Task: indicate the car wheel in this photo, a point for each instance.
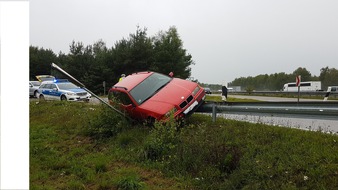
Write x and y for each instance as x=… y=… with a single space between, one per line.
x=63 y=98
x=41 y=97
x=36 y=94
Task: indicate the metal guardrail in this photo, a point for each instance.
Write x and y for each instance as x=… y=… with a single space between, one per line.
x=327 y=109
x=311 y=93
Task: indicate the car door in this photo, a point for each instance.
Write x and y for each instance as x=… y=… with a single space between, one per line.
x=54 y=92
x=31 y=89
x=127 y=104
x=45 y=91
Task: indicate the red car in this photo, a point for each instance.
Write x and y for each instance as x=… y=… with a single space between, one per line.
x=154 y=96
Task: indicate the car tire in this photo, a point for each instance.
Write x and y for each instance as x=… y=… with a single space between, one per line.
x=41 y=98
x=35 y=94
x=63 y=98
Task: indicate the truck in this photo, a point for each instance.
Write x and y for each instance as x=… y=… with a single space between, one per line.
x=304 y=86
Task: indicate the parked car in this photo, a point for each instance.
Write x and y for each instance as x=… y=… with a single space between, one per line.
x=62 y=90
x=33 y=88
x=154 y=96
x=207 y=90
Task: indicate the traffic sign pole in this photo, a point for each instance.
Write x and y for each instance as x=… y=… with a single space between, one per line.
x=298 y=80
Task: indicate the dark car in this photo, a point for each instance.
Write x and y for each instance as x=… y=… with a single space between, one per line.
x=207 y=90
x=154 y=96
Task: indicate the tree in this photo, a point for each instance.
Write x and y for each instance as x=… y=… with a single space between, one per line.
x=329 y=77
x=93 y=64
x=133 y=54
x=303 y=72
x=40 y=61
x=170 y=54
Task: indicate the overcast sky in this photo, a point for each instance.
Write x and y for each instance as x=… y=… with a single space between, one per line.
x=227 y=39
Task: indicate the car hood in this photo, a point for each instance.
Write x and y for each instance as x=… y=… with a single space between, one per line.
x=171 y=95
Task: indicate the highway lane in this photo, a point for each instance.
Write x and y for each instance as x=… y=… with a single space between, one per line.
x=275 y=99
x=312 y=123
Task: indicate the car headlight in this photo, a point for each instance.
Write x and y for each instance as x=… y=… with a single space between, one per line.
x=171 y=112
x=196 y=90
x=71 y=93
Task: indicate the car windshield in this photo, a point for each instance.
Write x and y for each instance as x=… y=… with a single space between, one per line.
x=149 y=87
x=66 y=86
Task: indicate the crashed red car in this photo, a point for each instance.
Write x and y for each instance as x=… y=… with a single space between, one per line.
x=154 y=96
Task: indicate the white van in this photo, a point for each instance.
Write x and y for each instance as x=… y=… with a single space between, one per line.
x=304 y=86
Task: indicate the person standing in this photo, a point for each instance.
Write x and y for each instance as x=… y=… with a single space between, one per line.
x=224 y=91
x=122 y=77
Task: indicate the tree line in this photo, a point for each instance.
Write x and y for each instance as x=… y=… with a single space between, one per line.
x=93 y=64
x=274 y=82
x=163 y=52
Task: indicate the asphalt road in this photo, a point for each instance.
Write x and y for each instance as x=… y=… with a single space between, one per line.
x=274 y=99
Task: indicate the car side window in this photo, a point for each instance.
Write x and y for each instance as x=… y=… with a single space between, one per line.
x=47 y=86
x=52 y=86
x=122 y=97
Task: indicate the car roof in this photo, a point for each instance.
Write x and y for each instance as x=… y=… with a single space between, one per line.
x=56 y=81
x=132 y=80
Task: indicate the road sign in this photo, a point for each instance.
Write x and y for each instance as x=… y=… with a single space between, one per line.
x=298 y=80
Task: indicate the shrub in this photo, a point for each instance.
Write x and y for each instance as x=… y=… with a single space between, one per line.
x=106 y=124
x=130 y=183
x=162 y=140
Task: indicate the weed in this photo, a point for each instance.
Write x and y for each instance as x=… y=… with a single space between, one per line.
x=129 y=180
x=106 y=124
x=162 y=140
x=130 y=183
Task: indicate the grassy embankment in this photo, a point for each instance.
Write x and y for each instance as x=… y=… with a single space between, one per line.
x=84 y=146
x=229 y=99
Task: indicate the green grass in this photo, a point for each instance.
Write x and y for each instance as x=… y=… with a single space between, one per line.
x=229 y=99
x=84 y=146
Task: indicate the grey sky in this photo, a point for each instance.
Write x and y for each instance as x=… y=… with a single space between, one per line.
x=227 y=39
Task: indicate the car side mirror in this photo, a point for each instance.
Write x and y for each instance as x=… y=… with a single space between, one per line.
x=30 y=85
x=55 y=89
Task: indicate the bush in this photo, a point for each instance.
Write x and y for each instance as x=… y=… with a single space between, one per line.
x=106 y=124
x=203 y=153
x=130 y=183
x=162 y=140
x=129 y=180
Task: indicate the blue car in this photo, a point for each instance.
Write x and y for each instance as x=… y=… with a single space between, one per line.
x=62 y=90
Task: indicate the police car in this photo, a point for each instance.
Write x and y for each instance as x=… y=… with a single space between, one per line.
x=62 y=89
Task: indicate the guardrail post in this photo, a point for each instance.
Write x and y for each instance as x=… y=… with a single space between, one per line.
x=213 y=112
